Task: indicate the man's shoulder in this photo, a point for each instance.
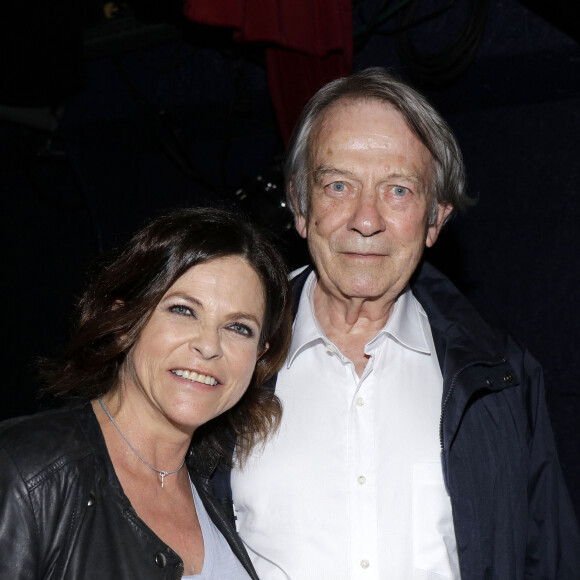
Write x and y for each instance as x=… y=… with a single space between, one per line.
x=453 y=317
x=300 y=273
x=428 y=281
x=298 y=280
x=442 y=300
x=299 y=276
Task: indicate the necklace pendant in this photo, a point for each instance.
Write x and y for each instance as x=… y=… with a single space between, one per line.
x=161 y=473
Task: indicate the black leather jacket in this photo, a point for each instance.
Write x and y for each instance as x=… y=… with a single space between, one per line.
x=63 y=513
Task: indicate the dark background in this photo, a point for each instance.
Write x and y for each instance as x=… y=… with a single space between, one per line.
x=106 y=122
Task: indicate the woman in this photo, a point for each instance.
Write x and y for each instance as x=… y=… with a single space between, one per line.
x=177 y=334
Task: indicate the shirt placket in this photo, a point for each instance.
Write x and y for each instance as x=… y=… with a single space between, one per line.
x=362 y=484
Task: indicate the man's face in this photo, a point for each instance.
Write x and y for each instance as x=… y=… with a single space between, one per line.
x=369 y=199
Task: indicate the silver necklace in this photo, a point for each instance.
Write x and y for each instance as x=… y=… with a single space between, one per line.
x=162 y=473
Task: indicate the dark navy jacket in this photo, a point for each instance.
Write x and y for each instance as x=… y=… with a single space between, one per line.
x=512 y=513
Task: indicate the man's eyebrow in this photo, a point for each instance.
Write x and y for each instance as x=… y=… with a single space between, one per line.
x=320 y=172
x=323 y=170
x=414 y=177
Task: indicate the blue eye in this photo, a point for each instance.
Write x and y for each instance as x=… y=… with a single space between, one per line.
x=400 y=191
x=181 y=310
x=242 y=329
x=338 y=186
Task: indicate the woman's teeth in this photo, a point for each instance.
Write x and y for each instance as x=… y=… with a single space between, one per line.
x=196 y=377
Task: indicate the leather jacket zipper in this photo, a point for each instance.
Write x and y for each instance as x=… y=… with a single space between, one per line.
x=179 y=571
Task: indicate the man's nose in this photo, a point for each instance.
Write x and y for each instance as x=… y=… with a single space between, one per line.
x=207 y=342
x=366 y=218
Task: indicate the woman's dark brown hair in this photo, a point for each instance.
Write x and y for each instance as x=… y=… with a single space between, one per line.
x=126 y=288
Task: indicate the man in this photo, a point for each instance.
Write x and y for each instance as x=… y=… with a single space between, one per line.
x=415 y=442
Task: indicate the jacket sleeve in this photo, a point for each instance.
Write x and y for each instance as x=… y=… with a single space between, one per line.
x=19 y=533
x=553 y=545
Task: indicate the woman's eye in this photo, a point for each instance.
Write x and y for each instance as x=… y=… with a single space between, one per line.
x=400 y=191
x=242 y=329
x=181 y=310
x=339 y=186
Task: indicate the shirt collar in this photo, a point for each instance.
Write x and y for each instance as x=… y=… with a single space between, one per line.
x=407 y=323
x=306 y=329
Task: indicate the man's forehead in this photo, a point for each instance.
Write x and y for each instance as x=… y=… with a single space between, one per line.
x=336 y=113
x=355 y=103
x=348 y=117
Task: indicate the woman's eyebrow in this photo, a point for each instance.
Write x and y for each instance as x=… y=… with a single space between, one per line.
x=245 y=316
x=184 y=296
x=231 y=315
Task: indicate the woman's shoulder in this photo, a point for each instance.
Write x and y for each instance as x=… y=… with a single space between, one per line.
x=45 y=440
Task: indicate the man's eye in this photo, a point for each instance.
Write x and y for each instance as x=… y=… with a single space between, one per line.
x=181 y=310
x=338 y=186
x=400 y=191
x=242 y=329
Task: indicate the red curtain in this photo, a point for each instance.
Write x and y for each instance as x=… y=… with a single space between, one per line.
x=309 y=42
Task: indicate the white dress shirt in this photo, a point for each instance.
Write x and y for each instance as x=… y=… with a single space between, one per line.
x=351 y=486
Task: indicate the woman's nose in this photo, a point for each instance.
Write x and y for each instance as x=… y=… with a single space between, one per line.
x=207 y=343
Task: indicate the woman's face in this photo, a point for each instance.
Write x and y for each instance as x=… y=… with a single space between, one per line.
x=195 y=357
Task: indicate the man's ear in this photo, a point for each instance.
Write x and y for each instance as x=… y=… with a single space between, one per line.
x=300 y=224
x=443 y=212
x=299 y=219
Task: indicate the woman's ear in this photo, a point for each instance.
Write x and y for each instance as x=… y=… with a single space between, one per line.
x=262 y=352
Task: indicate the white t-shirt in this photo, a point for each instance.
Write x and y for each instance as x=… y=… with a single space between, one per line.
x=219 y=561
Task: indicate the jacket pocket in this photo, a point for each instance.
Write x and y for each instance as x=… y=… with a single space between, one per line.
x=434 y=547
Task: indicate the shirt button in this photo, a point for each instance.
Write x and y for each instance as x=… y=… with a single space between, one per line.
x=362 y=480
x=364 y=564
x=360 y=402
x=331 y=348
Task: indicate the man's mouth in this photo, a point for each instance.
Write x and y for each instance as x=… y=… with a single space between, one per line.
x=365 y=254
x=195 y=377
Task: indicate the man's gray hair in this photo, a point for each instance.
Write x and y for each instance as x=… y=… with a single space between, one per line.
x=376 y=84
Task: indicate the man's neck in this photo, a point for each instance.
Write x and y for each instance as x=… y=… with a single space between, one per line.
x=350 y=323
x=349 y=313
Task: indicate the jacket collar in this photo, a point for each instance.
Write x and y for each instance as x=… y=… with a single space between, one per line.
x=472 y=354
x=461 y=336
x=459 y=332
x=89 y=423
